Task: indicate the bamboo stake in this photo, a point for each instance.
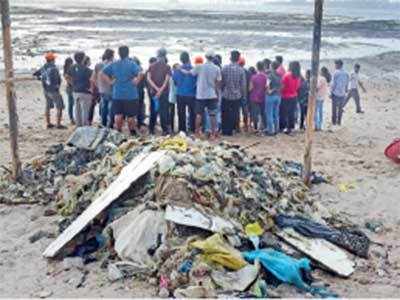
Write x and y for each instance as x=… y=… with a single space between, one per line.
x=10 y=94
x=318 y=15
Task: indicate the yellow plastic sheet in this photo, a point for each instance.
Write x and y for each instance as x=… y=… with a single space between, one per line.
x=346 y=187
x=176 y=144
x=253 y=229
x=217 y=251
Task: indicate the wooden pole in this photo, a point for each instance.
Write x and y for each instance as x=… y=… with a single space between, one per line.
x=318 y=14
x=10 y=94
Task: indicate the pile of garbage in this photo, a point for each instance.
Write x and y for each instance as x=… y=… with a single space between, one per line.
x=200 y=220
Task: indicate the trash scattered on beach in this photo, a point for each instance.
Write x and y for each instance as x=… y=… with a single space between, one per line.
x=197 y=219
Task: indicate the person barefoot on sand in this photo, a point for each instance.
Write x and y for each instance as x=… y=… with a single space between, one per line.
x=80 y=75
x=234 y=89
x=51 y=81
x=290 y=88
x=208 y=79
x=124 y=75
x=353 y=89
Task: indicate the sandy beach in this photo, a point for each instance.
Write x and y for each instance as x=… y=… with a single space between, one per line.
x=353 y=153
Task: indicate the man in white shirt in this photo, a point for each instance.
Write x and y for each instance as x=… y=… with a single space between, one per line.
x=353 y=88
x=208 y=79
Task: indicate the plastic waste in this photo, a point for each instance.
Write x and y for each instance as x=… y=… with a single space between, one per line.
x=186 y=266
x=283 y=267
x=217 y=251
x=177 y=143
x=253 y=229
x=346 y=186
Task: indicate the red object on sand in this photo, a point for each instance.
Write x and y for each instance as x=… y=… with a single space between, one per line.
x=393 y=151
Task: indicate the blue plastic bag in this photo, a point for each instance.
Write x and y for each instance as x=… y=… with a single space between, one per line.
x=286 y=269
x=283 y=267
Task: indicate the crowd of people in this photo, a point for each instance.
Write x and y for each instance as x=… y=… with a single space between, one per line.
x=209 y=98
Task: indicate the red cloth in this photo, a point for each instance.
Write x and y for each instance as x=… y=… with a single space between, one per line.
x=290 y=86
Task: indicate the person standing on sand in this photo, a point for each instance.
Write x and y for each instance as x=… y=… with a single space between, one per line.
x=186 y=92
x=290 y=88
x=322 y=94
x=105 y=89
x=273 y=100
x=124 y=75
x=208 y=80
x=281 y=69
x=257 y=88
x=158 y=78
x=353 y=89
x=304 y=92
x=142 y=106
x=234 y=89
x=244 y=103
x=80 y=75
x=154 y=106
x=51 y=82
x=69 y=91
x=339 y=87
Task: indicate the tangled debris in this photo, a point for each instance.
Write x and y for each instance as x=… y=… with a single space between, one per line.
x=188 y=222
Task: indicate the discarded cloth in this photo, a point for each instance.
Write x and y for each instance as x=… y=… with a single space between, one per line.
x=217 y=251
x=352 y=240
x=286 y=269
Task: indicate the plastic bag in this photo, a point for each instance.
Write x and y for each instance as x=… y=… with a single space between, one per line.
x=283 y=267
x=177 y=144
x=217 y=251
x=253 y=229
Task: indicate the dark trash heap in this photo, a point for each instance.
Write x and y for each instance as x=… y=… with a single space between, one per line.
x=199 y=224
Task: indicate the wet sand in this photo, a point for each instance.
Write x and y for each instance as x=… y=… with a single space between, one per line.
x=354 y=153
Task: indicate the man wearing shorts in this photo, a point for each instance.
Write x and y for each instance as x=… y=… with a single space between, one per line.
x=124 y=75
x=51 y=81
x=208 y=79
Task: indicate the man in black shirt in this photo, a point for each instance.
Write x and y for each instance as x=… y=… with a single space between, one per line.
x=51 y=81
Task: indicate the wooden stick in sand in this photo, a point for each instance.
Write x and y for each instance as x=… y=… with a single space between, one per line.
x=318 y=14
x=10 y=94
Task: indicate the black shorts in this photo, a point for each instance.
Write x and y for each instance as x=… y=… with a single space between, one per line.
x=210 y=104
x=127 y=108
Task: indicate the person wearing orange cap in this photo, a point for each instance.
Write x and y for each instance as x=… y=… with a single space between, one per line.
x=51 y=82
x=198 y=60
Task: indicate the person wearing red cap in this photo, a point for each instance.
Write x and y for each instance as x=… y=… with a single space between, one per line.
x=51 y=82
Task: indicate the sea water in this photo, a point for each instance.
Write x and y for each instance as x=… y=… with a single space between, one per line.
x=260 y=29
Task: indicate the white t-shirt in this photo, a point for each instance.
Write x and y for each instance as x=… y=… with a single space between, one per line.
x=354 y=78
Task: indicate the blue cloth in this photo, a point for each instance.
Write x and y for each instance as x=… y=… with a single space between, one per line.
x=272 y=104
x=286 y=269
x=185 y=83
x=319 y=114
x=123 y=71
